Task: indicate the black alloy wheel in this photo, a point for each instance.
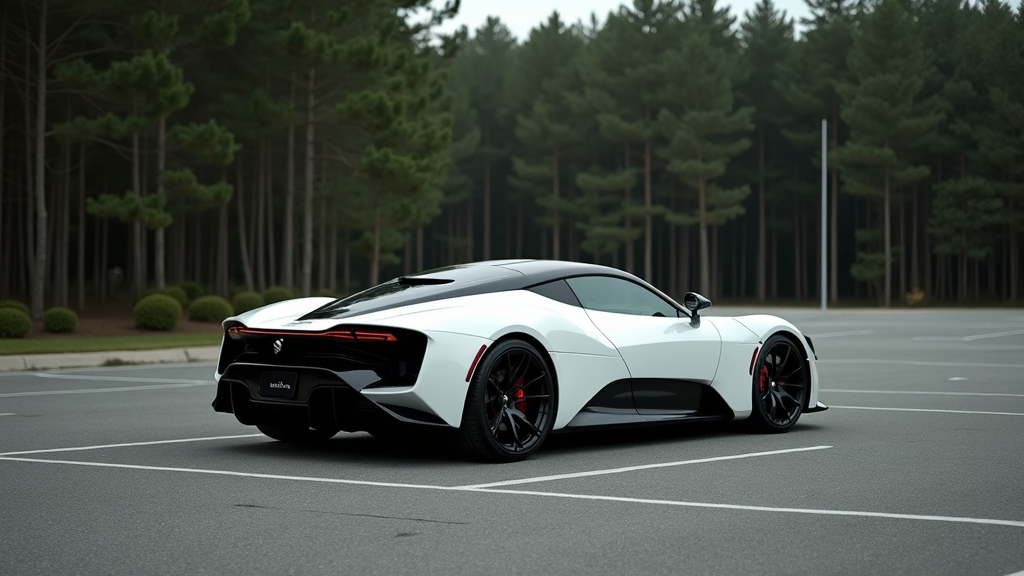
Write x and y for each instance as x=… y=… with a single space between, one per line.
x=781 y=381
x=510 y=406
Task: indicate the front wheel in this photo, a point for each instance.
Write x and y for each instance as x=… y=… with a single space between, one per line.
x=297 y=434
x=510 y=406
x=781 y=382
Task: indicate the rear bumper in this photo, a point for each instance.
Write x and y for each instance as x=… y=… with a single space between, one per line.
x=323 y=400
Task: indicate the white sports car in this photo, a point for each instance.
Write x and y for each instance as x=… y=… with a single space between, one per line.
x=503 y=353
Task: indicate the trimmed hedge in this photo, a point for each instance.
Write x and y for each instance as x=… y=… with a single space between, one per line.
x=157 y=312
x=245 y=301
x=178 y=293
x=210 y=309
x=14 y=323
x=277 y=294
x=60 y=319
x=192 y=290
x=15 y=305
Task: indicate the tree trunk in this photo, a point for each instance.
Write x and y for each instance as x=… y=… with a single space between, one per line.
x=887 y=234
x=629 y=220
x=797 y=261
x=419 y=249
x=346 y=282
x=242 y=243
x=288 y=241
x=270 y=236
x=487 y=211
x=39 y=280
x=555 y=232
x=307 y=205
x=223 y=265
x=903 y=253
x=469 y=226
x=159 y=269
x=648 y=225
x=705 y=270
x=6 y=241
x=375 y=260
x=762 y=244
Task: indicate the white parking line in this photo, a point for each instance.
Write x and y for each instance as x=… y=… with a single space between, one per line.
x=592 y=497
x=918 y=392
x=229 y=473
x=129 y=444
x=841 y=334
x=634 y=468
x=7 y=414
x=103 y=390
x=120 y=378
x=919 y=363
x=928 y=410
x=822 y=512
x=971 y=338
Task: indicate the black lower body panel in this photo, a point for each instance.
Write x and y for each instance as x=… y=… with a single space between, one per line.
x=322 y=400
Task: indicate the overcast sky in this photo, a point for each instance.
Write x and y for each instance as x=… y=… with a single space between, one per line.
x=522 y=15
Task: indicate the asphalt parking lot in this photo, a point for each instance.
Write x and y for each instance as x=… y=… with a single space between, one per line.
x=917 y=468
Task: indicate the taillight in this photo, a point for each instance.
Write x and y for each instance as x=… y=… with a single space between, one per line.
x=355 y=335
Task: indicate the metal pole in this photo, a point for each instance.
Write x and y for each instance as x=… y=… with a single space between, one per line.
x=824 y=212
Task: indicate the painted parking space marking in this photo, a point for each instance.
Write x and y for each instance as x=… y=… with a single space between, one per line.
x=7 y=414
x=920 y=363
x=119 y=378
x=129 y=444
x=927 y=410
x=920 y=393
x=590 y=497
x=841 y=334
x=635 y=468
x=971 y=338
x=104 y=390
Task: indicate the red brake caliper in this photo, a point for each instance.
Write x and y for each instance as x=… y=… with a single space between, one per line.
x=764 y=376
x=520 y=405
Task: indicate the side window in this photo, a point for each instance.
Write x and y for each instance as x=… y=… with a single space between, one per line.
x=609 y=294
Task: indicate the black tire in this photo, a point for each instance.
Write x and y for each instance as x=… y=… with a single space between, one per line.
x=297 y=434
x=510 y=406
x=780 y=385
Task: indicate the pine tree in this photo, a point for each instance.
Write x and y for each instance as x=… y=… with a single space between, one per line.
x=767 y=37
x=544 y=72
x=885 y=117
x=705 y=134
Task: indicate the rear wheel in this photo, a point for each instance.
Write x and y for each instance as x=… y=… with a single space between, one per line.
x=510 y=407
x=781 y=382
x=296 y=434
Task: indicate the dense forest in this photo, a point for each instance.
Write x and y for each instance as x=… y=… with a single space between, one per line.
x=332 y=144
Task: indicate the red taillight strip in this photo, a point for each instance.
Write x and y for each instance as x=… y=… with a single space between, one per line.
x=476 y=359
x=753 y=359
x=342 y=334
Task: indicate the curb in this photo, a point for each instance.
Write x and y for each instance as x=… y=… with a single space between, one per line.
x=111 y=358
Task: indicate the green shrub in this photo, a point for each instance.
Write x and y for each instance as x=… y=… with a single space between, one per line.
x=277 y=294
x=60 y=319
x=178 y=293
x=15 y=305
x=327 y=293
x=210 y=309
x=157 y=312
x=192 y=290
x=245 y=301
x=139 y=296
x=14 y=323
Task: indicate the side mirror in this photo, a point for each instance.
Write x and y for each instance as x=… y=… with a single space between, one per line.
x=694 y=303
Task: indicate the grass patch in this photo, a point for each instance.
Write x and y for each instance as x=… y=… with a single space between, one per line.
x=9 y=347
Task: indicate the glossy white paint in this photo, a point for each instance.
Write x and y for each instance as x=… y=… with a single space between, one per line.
x=589 y=349
x=662 y=347
x=580 y=377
